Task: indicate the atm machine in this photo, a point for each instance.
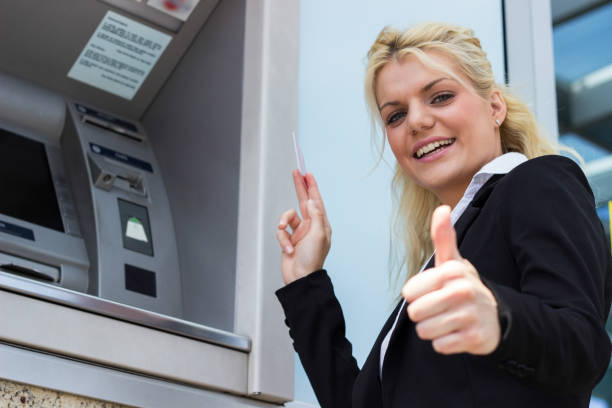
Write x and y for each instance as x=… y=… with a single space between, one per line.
x=135 y=147
x=85 y=209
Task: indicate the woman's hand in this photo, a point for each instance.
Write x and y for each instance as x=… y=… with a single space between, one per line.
x=305 y=248
x=449 y=303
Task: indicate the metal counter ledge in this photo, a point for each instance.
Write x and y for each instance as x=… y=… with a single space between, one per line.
x=89 y=303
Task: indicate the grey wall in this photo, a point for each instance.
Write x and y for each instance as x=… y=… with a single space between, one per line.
x=194 y=126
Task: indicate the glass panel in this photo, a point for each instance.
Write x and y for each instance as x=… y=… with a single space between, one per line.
x=582 y=44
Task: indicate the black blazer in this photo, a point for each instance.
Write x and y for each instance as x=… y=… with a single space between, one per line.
x=538 y=244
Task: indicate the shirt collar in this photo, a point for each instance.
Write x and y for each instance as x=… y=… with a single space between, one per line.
x=500 y=165
x=503 y=164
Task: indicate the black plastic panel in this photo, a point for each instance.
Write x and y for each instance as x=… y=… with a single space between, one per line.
x=25 y=182
x=140 y=280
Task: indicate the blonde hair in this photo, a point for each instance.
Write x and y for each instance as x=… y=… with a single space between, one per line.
x=519 y=132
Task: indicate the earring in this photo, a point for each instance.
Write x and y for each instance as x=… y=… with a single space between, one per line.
x=497 y=122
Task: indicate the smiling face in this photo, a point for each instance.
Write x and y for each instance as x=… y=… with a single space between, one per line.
x=440 y=132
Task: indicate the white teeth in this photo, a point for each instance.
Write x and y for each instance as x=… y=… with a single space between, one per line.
x=432 y=146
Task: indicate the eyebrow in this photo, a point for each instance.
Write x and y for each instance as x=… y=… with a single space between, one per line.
x=424 y=89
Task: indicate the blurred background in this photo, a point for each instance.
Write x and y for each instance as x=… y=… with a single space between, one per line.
x=583 y=73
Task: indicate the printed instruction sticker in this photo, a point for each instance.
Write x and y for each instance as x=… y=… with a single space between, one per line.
x=135 y=230
x=119 y=55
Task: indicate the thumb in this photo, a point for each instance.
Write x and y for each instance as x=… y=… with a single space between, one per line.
x=443 y=235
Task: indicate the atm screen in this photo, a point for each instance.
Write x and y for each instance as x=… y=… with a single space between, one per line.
x=26 y=185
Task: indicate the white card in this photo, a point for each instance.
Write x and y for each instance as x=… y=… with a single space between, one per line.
x=298 y=155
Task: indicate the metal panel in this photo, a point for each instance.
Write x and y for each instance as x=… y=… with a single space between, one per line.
x=530 y=60
x=94 y=381
x=194 y=126
x=127 y=313
x=269 y=115
x=102 y=340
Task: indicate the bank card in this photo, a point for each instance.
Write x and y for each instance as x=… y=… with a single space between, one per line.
x=298 y=155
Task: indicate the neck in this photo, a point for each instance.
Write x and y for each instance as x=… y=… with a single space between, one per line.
x=453 y=195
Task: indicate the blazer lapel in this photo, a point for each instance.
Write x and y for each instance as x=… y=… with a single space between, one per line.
x=471 y=212
x=473 y=209
x=367 y=388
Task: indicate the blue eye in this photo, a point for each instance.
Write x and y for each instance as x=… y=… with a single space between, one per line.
x=395 y=117
x=442 y=98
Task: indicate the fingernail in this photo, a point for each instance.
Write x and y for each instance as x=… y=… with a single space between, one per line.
x=289 y=249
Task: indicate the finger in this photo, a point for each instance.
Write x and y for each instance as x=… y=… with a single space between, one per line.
x=304 y=209
x=289 y=217
x=301 y=188
x=294 y=222
x=453 y=293
x=430 y=305
x=317 y=216
x=284 y=239
x=431 y=279
x=301 y=231
x=313 y=191
x=443 y=324
x=443 y=235
x=468 y=339
x=450 y=344
x=315 y=194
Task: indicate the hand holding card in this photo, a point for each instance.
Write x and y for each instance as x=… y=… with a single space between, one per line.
x=305 y=240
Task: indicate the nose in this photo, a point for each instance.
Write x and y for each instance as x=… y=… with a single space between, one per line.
x=419 y=119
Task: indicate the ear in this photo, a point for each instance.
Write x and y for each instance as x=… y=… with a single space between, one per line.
x=498 y=105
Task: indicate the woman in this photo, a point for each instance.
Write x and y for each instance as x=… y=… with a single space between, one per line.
x=511 y=308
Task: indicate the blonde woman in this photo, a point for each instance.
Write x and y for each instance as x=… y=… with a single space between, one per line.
x=510 y=309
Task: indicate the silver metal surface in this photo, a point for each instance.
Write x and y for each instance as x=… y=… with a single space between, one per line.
x=73 y=376
x=116 y=310
x=19 y=265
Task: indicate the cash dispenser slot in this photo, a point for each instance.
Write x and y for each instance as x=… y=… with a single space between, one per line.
x=20 y=266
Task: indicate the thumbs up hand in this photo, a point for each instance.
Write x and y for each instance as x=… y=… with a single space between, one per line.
x=449 y=303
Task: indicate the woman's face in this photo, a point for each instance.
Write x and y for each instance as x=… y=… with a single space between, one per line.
x=440 y=132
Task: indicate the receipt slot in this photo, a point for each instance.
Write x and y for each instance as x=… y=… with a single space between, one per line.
x=123 y=211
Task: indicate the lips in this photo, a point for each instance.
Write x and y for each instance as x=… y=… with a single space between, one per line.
x=427 y=147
